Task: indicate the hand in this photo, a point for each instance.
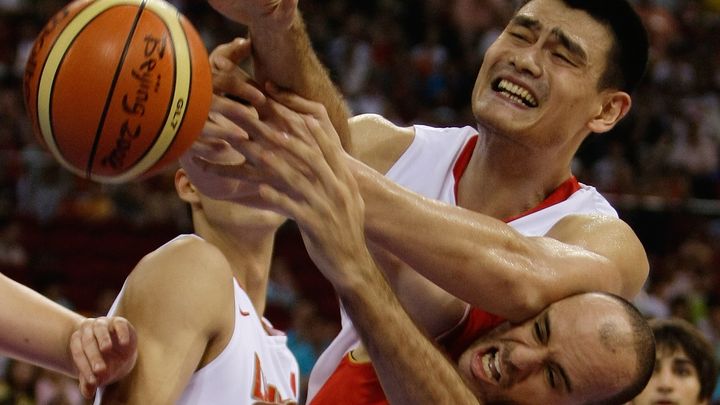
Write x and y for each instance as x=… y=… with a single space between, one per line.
x=273 y=14
x=295 y=157
x=104 y=350
x=228 y=77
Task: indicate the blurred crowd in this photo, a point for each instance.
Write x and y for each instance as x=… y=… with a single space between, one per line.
x=413 y=61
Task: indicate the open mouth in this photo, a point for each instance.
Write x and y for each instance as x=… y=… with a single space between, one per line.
x=515 y=93
x=491 y=365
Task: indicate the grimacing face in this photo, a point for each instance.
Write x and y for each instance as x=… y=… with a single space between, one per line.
x=578 y=349
x=675 y=380
x=538 y=82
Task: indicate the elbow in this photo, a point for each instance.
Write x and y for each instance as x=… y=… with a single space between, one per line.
x=528 y=300
x=529 y=292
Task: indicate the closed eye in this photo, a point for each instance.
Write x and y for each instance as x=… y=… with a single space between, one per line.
x=552 y=381
x=563 y=58
x=520 y=36
x=537 y=332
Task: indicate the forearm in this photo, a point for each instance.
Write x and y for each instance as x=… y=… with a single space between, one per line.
x=286 y=57
x=411 y=369
x=36 y=329
x=477 y=258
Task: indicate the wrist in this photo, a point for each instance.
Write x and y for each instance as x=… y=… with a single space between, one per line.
x=352 y=277
x=269 y=27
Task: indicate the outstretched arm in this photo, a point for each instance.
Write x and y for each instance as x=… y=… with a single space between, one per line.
x=35 y=329
x=465 y=252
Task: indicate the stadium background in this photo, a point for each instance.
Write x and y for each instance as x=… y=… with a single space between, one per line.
x=413 y=61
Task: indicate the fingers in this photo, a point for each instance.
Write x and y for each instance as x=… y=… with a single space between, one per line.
x=87 y=389
x=234 y=51
x=228 y=77
x=230 y=108
x=82 y=363
x=295 y=102
x=124 y=331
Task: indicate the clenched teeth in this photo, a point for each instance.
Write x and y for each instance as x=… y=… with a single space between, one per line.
x=491 y=365
x=516 y=93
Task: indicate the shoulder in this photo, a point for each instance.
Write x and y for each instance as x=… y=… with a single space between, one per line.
x=378 y=142
x=186 y=276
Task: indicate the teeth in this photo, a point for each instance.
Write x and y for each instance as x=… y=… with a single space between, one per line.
x=517 y=93
x=486 y=359
x=491 y=365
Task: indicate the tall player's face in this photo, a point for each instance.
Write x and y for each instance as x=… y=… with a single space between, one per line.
x=538 y=81
x=576 y=350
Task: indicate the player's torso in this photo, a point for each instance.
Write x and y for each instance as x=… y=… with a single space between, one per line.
x=432 y=166
x=254 y=366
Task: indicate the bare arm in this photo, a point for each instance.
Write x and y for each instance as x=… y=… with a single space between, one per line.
x=466 y=252
x=283 y=54
x=36 y=329
x=175 y=298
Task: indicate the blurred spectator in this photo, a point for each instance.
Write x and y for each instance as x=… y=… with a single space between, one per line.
x=18 y=388
x=57 y=389
x=685 y=371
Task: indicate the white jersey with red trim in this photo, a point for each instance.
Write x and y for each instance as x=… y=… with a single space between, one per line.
x=432 y=166
x=255 y=366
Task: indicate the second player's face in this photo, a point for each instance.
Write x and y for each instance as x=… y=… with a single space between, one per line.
x=576 y=350
x=538 y=81
x=674 y=381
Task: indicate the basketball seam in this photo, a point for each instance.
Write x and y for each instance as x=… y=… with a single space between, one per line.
x=170 y=107
x=111 y=91
x=53 y=133
x=40 y=72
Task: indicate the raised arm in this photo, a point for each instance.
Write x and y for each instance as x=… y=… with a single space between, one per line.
x=37 y=330
x=490 y=265
x=283 y=54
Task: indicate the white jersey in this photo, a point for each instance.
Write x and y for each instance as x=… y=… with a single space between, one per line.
x=432 y=166
x=255 y=366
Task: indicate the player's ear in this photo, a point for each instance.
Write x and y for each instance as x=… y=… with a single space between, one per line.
x=185 y=189
x=615 y=105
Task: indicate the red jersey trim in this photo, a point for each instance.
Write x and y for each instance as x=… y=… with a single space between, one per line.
x=352 y=383
x=560 y=194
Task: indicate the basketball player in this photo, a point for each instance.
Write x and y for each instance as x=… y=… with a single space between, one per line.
x=585 y=348
x=197 y=305
x=685 y=371
x=37 y=330
x=525 y=232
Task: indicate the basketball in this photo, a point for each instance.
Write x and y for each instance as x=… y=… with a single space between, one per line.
x=117 y=89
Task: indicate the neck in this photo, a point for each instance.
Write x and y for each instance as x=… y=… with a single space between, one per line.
x=249 y=252
x=504 y=178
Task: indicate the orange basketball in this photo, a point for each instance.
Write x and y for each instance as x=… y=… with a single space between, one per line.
x=117 y=89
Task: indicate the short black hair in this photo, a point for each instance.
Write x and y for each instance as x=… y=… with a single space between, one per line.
x=628 y=56
x=677 y=334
